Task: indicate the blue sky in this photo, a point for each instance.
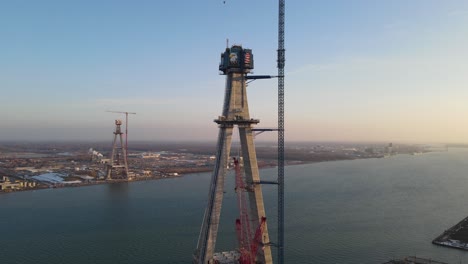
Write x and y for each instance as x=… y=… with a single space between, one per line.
x=356 y=70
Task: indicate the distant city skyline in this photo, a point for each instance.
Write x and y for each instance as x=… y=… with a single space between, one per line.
x=386 y=71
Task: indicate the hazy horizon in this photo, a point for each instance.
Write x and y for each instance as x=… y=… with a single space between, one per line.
x=360 y=71
x=213 y=142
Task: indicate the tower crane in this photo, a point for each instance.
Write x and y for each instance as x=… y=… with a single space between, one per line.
x=281 y=62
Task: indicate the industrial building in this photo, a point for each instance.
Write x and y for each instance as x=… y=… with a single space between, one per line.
x=6 y=184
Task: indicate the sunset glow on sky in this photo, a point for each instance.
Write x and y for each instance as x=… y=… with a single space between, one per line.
x=391 y=71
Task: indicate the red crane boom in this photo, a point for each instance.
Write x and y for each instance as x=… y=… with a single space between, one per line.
x=248 y=245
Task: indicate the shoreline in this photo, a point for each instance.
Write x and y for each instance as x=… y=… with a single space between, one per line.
x=147 y=178
x=167 y=176
x=85 y=184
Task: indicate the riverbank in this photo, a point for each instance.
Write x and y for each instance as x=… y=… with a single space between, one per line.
x=169 y=175
x=91 y=183
x=162 y=165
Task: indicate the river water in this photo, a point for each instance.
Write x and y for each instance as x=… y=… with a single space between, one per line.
x=360 y=211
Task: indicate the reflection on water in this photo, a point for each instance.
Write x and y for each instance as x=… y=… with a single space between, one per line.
x=118 y=190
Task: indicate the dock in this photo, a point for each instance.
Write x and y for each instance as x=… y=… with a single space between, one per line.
x=455 y=237
x=414 y=260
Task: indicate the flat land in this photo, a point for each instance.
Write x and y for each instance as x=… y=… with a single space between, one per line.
x=85 y=163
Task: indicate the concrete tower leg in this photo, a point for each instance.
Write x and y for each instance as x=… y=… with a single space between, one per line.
x=257 y=209
x=219 y=176
x=124 y=153
x=109 y=166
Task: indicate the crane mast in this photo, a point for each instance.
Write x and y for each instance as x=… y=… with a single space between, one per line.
x=281 y=62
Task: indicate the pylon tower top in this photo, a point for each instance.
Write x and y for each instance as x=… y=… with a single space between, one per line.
x=236 y=59
x=118 y=123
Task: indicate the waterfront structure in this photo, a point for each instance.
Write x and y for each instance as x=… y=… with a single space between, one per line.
x=236 y=63
x=6 y=184
x=454 y=237
x=118 y=166
x=414 y=260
